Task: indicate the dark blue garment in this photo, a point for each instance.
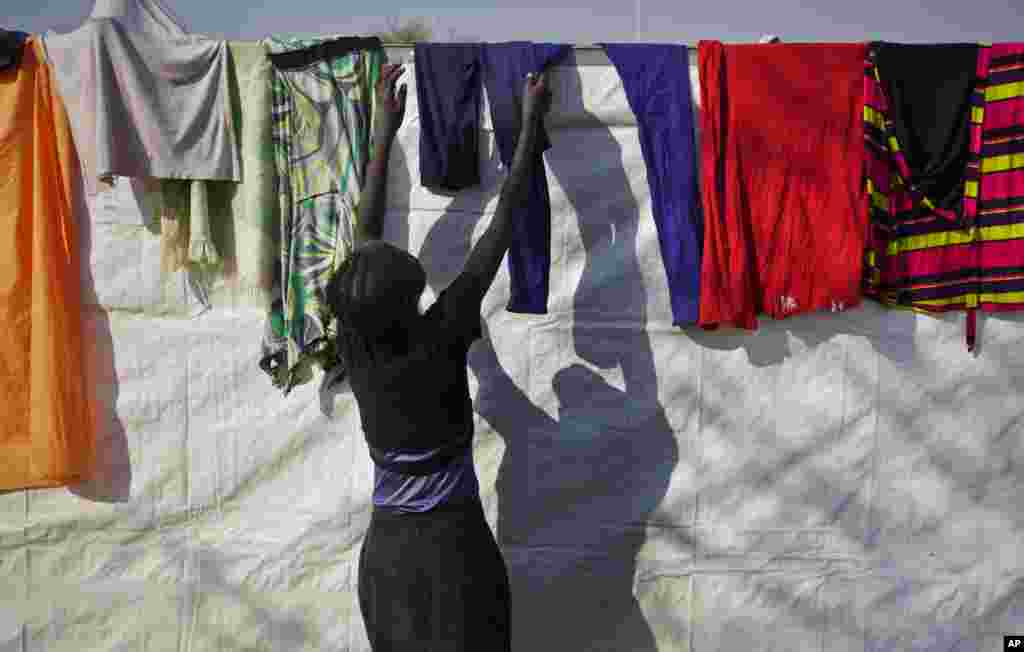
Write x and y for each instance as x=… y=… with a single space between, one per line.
x=449 y=90
x=505 y=66
x=11 y=45
x=657 y=83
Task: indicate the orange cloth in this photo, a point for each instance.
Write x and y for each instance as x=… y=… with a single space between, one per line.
x=46 y=413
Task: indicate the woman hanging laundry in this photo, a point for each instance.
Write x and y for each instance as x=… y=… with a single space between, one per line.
x=431 y=575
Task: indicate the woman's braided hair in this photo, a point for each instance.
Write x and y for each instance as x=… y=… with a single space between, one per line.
x=369 y=291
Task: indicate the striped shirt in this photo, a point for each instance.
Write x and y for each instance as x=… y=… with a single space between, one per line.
x=933 y=260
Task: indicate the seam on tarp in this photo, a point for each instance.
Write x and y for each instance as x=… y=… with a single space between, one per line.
x=873 y=485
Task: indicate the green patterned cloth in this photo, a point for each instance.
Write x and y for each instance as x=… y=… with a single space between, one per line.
x=322 y=117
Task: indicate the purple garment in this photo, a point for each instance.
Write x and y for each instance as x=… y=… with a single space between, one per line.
x=449 y=83
x=449 y=91
x=529 y=256
x=410 y=493
x=657 y=83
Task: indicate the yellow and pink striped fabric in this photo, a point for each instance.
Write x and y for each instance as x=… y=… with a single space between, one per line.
x=936 y=261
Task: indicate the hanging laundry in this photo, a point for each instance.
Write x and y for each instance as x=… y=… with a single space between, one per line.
x=947 y=193
x=449 y=79
x=146 y=99
x=197 y=215
x=255 y=211
x=505 y=68
x=185 y=223
x=785 y=213
x=11 y=45
x=928 y=91
x=449 y=88
x=175 y=209
x=323 y=101
x=46 y=429
x=200 y=240
x=657 y=83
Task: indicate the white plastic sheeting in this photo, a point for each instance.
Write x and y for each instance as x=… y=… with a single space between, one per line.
x=831 y=482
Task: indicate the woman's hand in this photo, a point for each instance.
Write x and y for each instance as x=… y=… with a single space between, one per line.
x=390 y=105
x=536 y=98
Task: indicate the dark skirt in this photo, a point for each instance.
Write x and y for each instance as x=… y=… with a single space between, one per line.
x=434 y=582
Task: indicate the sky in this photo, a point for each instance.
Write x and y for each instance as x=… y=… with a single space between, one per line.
x=563 y=21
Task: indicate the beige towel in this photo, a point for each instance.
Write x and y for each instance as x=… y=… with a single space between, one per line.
x=200 y=241
x=174 y=226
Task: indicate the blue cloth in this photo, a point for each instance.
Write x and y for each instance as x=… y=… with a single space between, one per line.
x=657 y=83
x=409 y=493
x=449 y=80
x=505 y=66
x=449 y=91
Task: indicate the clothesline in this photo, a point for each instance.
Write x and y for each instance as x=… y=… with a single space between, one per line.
x=584 y=54
x=587 y=54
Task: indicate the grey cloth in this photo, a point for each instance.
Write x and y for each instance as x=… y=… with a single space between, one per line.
x=145 y=98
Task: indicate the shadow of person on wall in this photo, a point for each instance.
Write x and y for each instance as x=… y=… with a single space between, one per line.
x=576 y=492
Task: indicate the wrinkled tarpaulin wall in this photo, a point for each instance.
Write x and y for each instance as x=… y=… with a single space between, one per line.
x=834 y=482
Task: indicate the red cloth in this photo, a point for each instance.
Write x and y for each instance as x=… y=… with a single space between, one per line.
x=785 y=208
